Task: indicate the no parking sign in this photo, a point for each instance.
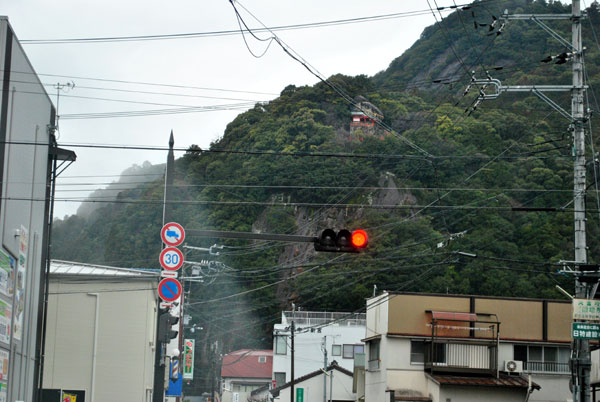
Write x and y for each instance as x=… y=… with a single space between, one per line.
x=169 y=289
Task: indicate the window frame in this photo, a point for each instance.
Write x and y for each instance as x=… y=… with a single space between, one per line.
x=347 y=345
x=280 y=374
x=278 y=338
x=339 y=350
x=417 y=353
x=374 y=357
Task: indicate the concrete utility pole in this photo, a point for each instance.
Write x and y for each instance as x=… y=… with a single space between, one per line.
x=324 y=347
x=580 y=356
x=582 y=346
x=293 y=327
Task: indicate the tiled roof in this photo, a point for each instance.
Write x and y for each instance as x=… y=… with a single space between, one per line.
x=58 y=267
x=246 y=363
x=502 y=381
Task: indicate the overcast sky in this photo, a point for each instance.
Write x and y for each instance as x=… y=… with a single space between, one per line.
x=222 y=63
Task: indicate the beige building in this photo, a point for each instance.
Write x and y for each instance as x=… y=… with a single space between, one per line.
x=100 y=333
x=466 y=348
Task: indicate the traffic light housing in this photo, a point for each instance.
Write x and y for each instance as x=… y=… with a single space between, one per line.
x=165 y=327
x=342 y=242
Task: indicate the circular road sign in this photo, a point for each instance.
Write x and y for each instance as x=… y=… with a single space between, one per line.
x=172 y=234
x=169 y=289
x=171 y=259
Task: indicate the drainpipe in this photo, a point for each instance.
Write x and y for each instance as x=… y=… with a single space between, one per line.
x=93 y=386
x=529 y=389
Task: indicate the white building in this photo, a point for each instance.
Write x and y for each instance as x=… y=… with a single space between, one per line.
x=100 y=333
x=339 y=334
x=333 y=384
x=445 y=348
x=246 y=375
x=28 y=153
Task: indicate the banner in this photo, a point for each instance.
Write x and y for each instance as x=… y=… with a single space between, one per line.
x=188 y=359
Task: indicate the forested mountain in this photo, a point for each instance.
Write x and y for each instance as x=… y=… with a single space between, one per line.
x=435 y=178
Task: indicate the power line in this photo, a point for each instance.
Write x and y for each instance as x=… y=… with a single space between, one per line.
x=188 y=35
x=282 y=153
x=78 y=77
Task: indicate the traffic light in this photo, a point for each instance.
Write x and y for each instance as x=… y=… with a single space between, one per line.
x=165 y=327
x=342 y=241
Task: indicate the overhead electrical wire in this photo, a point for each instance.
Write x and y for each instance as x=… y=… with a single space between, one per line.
x=133 y=38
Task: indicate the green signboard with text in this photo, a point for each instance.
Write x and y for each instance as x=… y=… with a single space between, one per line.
x=584 y=330
x=299 y=394
x=188 y=359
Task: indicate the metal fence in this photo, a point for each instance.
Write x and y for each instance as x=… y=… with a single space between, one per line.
x=461 y=357
x=323 y=317
x=546 y=367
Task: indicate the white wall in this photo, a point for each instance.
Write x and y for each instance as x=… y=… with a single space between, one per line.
x=125 y=332
x=26 y=113
x=555 y=388
x=308 y=354
x=243 y=395
x=480 y=394
x=313 y=389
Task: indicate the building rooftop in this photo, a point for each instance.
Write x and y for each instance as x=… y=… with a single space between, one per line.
x=248 y=363
x=59 y=268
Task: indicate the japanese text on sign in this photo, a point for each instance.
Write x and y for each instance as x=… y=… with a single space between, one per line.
x=584 y=309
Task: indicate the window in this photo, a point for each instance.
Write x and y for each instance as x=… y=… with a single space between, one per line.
x=262 y=359
x=280 y=345
x=553 y=359
x=417 y=352
x=348 y=352
x=279 y=379
x=373 y=354
x=336 y=350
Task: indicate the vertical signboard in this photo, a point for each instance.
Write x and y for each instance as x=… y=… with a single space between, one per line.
x=5 y=322
x=188 y=359
x=19 y=308
x=7 y=265
x=299 y=394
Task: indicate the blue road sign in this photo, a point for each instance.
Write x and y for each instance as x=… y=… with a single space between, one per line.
x=169 y=289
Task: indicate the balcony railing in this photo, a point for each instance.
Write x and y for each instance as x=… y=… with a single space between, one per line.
x=449 y=356
x=546 y=367
x=322 y=317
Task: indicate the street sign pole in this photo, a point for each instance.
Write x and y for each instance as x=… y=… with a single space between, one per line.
x=158 y=392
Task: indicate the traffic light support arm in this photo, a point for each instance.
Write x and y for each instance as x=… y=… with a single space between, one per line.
x=252 y=236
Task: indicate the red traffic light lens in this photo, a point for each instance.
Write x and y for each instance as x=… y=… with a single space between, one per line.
x=359 y=238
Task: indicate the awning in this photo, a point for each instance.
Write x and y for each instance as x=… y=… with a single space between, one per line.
x=453 y=316
x=507 y=381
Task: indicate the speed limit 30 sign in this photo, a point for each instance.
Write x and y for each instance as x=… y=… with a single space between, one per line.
x=171 y=259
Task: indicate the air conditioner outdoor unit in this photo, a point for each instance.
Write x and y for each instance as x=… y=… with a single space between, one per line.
x=513 y=366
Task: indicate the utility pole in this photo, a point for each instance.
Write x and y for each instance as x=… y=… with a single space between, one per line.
x=582 y=346
x=158 y=393
x=293 y=327
x=324 y=347
x=580 y=356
